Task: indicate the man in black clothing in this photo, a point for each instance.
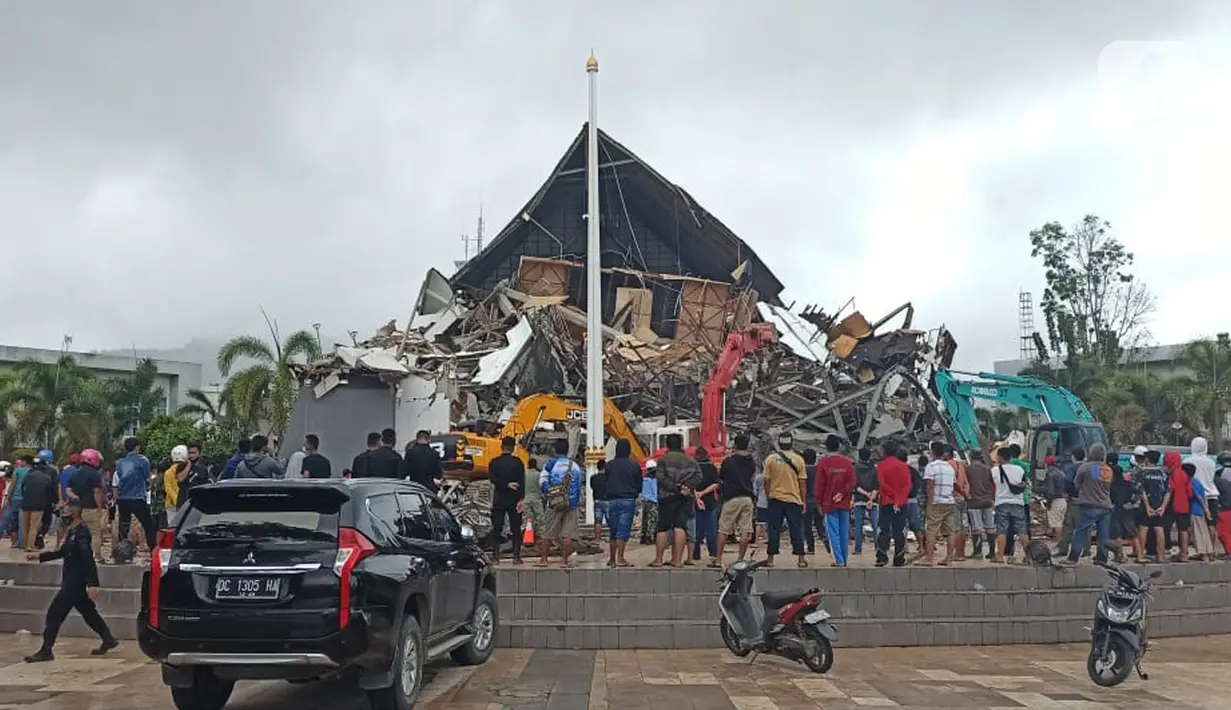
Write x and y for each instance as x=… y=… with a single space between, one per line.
x=315 y=465
x=738 y=497
x=39 y=490
x=359 y=467
x=507 y=474
x=193 y=475
x=422 y=462
x=384 y=462
x=78 y=588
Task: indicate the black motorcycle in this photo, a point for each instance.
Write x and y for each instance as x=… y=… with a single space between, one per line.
x=1118 y=637
x=789 y=624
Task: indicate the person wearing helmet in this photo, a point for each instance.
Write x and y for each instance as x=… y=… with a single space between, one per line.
x=86 y=490
x=171 y=479
x=38 y=495
x=78 y=587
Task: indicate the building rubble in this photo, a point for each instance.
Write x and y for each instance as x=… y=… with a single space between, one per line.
x=827 y=373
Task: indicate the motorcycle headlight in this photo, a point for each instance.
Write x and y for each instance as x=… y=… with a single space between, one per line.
x=1115 y=615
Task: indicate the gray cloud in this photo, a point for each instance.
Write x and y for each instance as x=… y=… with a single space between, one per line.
x=165 y=169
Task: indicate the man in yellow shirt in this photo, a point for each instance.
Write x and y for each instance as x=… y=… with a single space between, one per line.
x=785 y=483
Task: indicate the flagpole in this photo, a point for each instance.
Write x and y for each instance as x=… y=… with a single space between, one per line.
x=594 y=299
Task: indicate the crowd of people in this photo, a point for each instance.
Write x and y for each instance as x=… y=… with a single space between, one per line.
x=1162 y=507
x=977 y=506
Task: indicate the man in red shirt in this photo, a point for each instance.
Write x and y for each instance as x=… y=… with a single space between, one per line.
x=893 y=475
x=835 y=482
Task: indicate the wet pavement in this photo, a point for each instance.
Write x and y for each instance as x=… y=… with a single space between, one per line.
x=1185 y=673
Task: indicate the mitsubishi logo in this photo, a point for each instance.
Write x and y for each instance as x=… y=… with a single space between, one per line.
x=249 y=560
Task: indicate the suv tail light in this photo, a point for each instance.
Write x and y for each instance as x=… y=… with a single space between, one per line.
x=160 y=560
x=353 y=546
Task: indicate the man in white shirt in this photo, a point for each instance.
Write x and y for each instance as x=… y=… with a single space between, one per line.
x=1011 y=518
x=941 y=479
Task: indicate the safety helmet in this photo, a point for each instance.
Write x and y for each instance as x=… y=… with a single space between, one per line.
x=91 y=457
x=45 y=456
x=179 y=454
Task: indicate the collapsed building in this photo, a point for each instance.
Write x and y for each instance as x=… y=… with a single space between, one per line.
x=675 y=283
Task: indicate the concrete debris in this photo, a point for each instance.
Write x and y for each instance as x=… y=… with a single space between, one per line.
x=824 y=373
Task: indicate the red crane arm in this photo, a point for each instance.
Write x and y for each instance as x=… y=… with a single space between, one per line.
x=713 y=394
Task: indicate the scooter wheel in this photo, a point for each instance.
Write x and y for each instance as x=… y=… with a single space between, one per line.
x=1110 y=667
x=822 y=660
x=732 y=640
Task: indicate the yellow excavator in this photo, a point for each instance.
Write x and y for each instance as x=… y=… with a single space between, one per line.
x=466 y=454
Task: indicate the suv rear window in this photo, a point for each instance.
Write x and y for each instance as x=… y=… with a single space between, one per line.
x=222 y=516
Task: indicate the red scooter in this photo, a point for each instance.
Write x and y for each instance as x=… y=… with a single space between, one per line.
x=789 y=624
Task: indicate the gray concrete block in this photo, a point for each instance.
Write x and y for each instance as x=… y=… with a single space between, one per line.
x=554 y=637
x=881 y=607
x=925 y=633
x=629 y=637
x=505 y=607
x=971 y=579
x=551 y=581
x=915 y=606
x=897 y=606
x=969 y=633
x=572 y=637
x=575 y=607
x=526 y=583
x=504 y=636
x=1019 y=604
x=592 y=637
x=940 y=633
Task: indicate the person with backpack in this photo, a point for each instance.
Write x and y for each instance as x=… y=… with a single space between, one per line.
x=785 y=483
x=1011 y=519
x=1125 y=499
x=561 y=485
x=1094 y=479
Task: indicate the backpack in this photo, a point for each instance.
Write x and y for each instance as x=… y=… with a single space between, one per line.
x=1054 y=484
x=558 y=495
x=1015 y=489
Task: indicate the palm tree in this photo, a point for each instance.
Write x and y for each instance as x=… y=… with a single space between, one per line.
x=265 y=390
x=200 y=405
x=57 y=405
x=1209 y=361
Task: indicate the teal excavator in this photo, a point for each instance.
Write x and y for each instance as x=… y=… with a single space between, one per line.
x=1067 y=425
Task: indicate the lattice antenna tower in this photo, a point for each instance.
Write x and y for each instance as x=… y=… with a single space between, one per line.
x=1025 y=324
x=477 y=239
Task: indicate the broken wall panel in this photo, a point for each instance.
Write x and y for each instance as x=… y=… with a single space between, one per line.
x=703 y=313
x=544 y=277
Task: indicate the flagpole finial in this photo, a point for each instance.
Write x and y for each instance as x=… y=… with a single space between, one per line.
x=591 y=63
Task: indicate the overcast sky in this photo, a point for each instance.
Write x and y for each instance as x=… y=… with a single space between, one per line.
x=168 y=168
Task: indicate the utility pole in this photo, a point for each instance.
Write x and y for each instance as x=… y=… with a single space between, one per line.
x=594 y=299
x=317 y=328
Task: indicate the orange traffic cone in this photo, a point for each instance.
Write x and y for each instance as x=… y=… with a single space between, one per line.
x=527 y=537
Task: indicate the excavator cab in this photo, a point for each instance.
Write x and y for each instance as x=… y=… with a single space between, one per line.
x=1060 y=438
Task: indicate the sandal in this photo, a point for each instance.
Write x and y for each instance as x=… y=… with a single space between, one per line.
x=714 y=564
x=656 y=565
x=802 y=564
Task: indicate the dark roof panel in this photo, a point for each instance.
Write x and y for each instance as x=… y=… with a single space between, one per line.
x=703 y=245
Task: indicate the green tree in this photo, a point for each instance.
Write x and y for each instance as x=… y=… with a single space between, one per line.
x=168 y=431
x=1209 y=384
x=200 y=405
x=264 y=392
x=60 y=406
x=136 y=398
x=1093 y=305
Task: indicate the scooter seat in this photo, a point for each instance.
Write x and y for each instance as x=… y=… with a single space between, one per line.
x=777 y=600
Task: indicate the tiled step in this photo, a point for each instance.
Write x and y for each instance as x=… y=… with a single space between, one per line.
x=123 y=626
x=852 y=633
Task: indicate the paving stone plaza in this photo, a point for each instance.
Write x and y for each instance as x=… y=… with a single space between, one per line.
x=1185 y=674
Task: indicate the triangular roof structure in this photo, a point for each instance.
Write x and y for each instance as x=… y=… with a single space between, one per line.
x=648 y=224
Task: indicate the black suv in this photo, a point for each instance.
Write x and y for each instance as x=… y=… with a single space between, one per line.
x=305 y=579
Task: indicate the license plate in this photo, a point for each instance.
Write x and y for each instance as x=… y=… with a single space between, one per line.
x=816 y=617
x=256 y=588
x=474 y=451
